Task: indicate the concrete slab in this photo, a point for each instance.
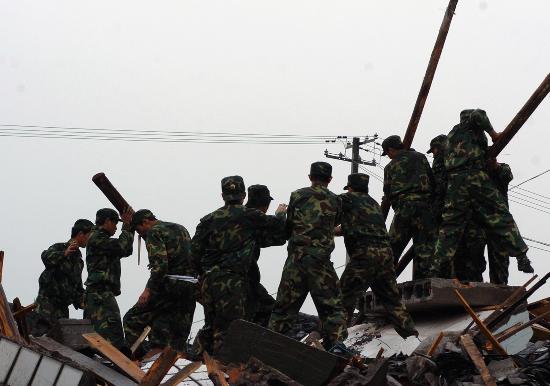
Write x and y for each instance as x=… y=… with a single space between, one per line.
x=430 y=294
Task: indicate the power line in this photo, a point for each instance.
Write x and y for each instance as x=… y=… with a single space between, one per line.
x=527 y=199
x=540 y=249
x=535 y=208
x=536 y=194
x=530 y=179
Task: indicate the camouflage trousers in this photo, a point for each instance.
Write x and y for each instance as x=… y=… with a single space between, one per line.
x=471 y=194
x=48 y=312
x=498 y=264
x=414 y=220
x=372 y=266
x=308 y=274
x=223 y=296
x=102 y=309
x=259 y=303
x=469 y=260
x=168 y=316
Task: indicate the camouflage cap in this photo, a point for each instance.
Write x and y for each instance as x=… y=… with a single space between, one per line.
x=258 y=193
x=232 y=188
x=439 y=141
x=476 y=117
x=323 y=169
x=358 y=181
x=141 y=215
x=393 y=141
x=82 y=225
x=106 y=213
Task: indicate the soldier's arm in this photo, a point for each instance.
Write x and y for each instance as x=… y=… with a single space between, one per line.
x=53 y=256
x=387 y=184
x=121 y=247
x=158 y=260
x=197 y=247
x=276 y=235
x=430 y=173
x=290 y=215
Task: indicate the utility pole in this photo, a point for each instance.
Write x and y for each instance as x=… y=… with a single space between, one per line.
x=355 y=155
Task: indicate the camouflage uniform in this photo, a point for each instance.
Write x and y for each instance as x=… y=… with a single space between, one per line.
x=371 y=259
x=103 y=254
x=499 y=259
x=472 y=194
x=169 y=311
x=469 y=260
x=223 y=250
x=408 y=186
x=60 y=285
x=259 y=303
x=312 y=214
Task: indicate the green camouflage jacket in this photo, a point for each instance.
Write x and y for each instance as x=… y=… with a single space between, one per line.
x=61 y=281
x=103 y=254
x=168 y=246
x=408 y=177
x=312 y=214
x=227 y=237
x=502 y=176
x=468 y=143
x=268 y=238
x=362 y=222
x=440 y=182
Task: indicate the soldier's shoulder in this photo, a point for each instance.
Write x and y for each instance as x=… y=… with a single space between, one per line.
x=58 y=246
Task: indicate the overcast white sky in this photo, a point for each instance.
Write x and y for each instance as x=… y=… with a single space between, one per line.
x=278 y=67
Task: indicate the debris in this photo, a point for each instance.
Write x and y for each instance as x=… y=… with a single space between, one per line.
x=140 y=339
x=160 y=367
x=255 y=372
x=182 y=374
x=214 y=371
x=469 y=346
x=69 y=333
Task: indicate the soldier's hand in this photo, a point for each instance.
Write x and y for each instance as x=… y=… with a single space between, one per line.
x=282 y=208
x=144 y=297
x=338 y=230
x=126 y=216
x=494 y=135
x=73 y=247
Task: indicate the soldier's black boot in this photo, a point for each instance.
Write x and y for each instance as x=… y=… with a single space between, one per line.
x=524 y=265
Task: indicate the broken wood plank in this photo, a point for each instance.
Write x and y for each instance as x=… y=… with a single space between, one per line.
x=102 y=372
x=8 y=326
x=482 y=327
x=119 y=359
x=21 y=320
x=160 y=367
x=469 y=346
x=515 y=329
x=182 y=374
x=435 y=344
x=25 y=310
x=300 y=362
x=213 y=369
x=141 y=338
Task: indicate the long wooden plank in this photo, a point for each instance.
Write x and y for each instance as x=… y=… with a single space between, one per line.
x=482 y=327
x=513 y=127
x=182 y=374
x=103 y=372
x=141 y=338
x=110 y=352
x=7 y=322
x=160 y=367
x=469 y=346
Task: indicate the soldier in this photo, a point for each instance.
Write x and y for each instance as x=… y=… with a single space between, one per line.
x=313 y=213
x=259 y=303
x=103 y=255
x=408 y=186
x=499 y=260
x=165 y=304
x=60 y=285
x=471 y=193
x=371 y=259
x=223 y=250
x=469 y=261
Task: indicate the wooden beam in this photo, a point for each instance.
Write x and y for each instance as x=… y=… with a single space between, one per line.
x=1 y=264
x=8 y=326
x=160 y=367
x=435 y=343
x=25 y=310
x=469 y=346
x=213 y=369
x=21 y=320
x=141 y=338
x=429 y=75
x=182 y=374
x=119 y=359
x=515 y=329
x=482 y=327
x=513 y=127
